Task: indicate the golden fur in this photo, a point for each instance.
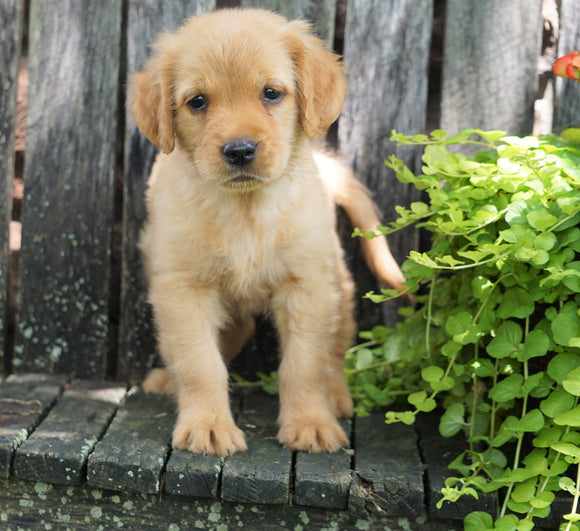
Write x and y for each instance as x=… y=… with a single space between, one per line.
x=230 y=237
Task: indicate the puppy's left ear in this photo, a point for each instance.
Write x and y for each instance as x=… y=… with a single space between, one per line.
x=321 y=81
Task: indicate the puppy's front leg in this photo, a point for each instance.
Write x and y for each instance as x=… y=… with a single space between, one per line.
x=189 y=320
x=306 y=318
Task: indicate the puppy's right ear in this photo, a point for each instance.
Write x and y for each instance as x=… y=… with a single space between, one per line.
x=152 y=104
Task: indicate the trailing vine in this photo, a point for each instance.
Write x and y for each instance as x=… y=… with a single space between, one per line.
x=495 y=336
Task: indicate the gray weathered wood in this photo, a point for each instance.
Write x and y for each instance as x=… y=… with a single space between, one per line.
x=490 y=78
x=187 y=474
x=321 y=13
x=58 y=449
x=27 y=505
x=133 y=452
x=386 y=55
x=388 y=470
x=245 y=477
x=437 y=453
x=193 y=475
x=323 y=480
x=24 y=401
x=146 y=19
x=74 y=49
x=567 y=111
x=11 y=12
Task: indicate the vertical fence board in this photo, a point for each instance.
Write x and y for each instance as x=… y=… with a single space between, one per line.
x=567 y=111
x=137 y=351
x=322 y=13
x=490 y=78
x=386 y=54
x=11 y=12
x=67 y=205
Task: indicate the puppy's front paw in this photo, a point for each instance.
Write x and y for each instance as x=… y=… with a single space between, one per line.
x=313 y=435
x=209 y=437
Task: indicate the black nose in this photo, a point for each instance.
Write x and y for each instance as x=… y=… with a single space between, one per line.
x=240 y=152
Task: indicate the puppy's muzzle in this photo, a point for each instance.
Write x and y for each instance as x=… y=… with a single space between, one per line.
x=240 y=153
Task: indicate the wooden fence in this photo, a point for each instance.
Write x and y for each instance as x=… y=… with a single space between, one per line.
x=412 y=65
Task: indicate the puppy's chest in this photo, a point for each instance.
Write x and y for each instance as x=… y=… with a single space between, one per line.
x=250 y=258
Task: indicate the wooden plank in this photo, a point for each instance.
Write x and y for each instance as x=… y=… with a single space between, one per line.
x=323 y=480
x=567 y=111
x=321 y=13
x=386 y=55
x=490 y=57
x=133 y=452
x=24 y=401
x=31 y=505
x=199 y=476
x=11 y=14
x=57 y=451
x=193 y=475
x=437 y=453
x=146 y=18
x=262 y=474
x=68 y=201
x=388 y=470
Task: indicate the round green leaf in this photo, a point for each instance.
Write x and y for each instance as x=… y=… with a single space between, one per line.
x=507 y=341
x=432 y=373
x=452 y=421
x=569 y=418
x=537 y=344
x=478 y=521
x=566 y=325
x=517 y=303
x=531 y=422
x=524 y=492
x=364 y=358
x=566 y=449
x=562 y=364
x=572 y=382
x=508 y=389
x=556 y=402
x=543 y=499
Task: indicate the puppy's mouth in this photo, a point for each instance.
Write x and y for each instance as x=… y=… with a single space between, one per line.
x=243 y=182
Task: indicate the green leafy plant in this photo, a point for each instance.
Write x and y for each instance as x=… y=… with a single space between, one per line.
x=495 y=336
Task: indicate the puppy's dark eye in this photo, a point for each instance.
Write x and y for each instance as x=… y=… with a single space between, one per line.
x=197 y=103
x=272 y=95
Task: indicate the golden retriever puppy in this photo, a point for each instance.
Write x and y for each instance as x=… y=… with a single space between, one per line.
x=241 y=221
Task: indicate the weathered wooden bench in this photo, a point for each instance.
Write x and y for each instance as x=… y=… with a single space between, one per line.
x=81 y=446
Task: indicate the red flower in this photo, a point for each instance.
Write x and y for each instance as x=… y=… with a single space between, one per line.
x=568 y=66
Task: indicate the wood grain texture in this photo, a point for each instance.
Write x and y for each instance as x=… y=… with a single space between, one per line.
x=137 y=347
x=567 y=111
x=321 y=13
x=68 y=200
x=26 y=504
x=24 y=401
x=11 y=13
x=133 y=452
x=386 y=53
x=388 y=470
x=490 y=78
x=246 y=478
x=58 y=449
x=323 y=480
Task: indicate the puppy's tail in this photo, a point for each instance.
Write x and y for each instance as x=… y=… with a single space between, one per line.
x=355 y=199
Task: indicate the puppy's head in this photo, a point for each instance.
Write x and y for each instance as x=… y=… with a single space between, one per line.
x=234 y=90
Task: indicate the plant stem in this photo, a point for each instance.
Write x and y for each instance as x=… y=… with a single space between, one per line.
x=519 y=443
x=576 y=493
